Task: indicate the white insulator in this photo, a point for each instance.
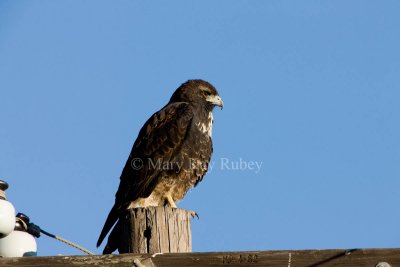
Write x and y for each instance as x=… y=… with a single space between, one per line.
x=7 y=212
x=7 y=218
x=18 y=244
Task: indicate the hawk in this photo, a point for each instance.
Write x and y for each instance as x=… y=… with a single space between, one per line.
x=170 y=155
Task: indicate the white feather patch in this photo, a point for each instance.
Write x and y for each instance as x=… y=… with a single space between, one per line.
x=206 y=128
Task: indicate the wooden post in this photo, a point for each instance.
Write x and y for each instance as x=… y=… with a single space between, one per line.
x=155 y=230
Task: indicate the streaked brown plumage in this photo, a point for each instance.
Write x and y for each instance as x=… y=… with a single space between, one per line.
x=170 y=155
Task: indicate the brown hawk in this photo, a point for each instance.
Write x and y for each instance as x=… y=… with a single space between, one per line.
x=170 y=155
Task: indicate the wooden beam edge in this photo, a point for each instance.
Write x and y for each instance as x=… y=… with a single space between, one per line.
x=289 y=258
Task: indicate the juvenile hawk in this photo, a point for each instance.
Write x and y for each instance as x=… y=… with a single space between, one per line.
x=170 y=155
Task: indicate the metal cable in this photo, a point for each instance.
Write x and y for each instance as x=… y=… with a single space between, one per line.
x=67 y=242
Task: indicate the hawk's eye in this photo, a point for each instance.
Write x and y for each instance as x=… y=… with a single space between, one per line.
x=207 y=93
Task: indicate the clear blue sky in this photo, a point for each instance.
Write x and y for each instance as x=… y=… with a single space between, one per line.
x=311 y=91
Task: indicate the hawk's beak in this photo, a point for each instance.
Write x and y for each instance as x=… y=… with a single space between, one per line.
x=215 y=100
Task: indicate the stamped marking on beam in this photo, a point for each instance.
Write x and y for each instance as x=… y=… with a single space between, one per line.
x=241 y=259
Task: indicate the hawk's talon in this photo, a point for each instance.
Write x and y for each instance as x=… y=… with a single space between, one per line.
x=194 y=214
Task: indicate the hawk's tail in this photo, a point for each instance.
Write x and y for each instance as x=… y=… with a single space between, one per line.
x=111 y=219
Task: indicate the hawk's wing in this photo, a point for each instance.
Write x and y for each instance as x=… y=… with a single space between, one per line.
x=159 y=140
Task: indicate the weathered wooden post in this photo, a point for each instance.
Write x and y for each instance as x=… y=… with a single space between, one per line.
x=155 y=230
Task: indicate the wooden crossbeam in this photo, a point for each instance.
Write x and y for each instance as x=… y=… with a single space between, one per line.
x=289 y=258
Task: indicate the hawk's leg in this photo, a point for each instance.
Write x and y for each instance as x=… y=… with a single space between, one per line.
x=170 y=201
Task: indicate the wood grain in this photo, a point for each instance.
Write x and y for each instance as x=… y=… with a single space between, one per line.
x=294 y=258
x=156 y=230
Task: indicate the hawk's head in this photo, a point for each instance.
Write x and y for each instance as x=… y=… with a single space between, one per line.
x=198 y=91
